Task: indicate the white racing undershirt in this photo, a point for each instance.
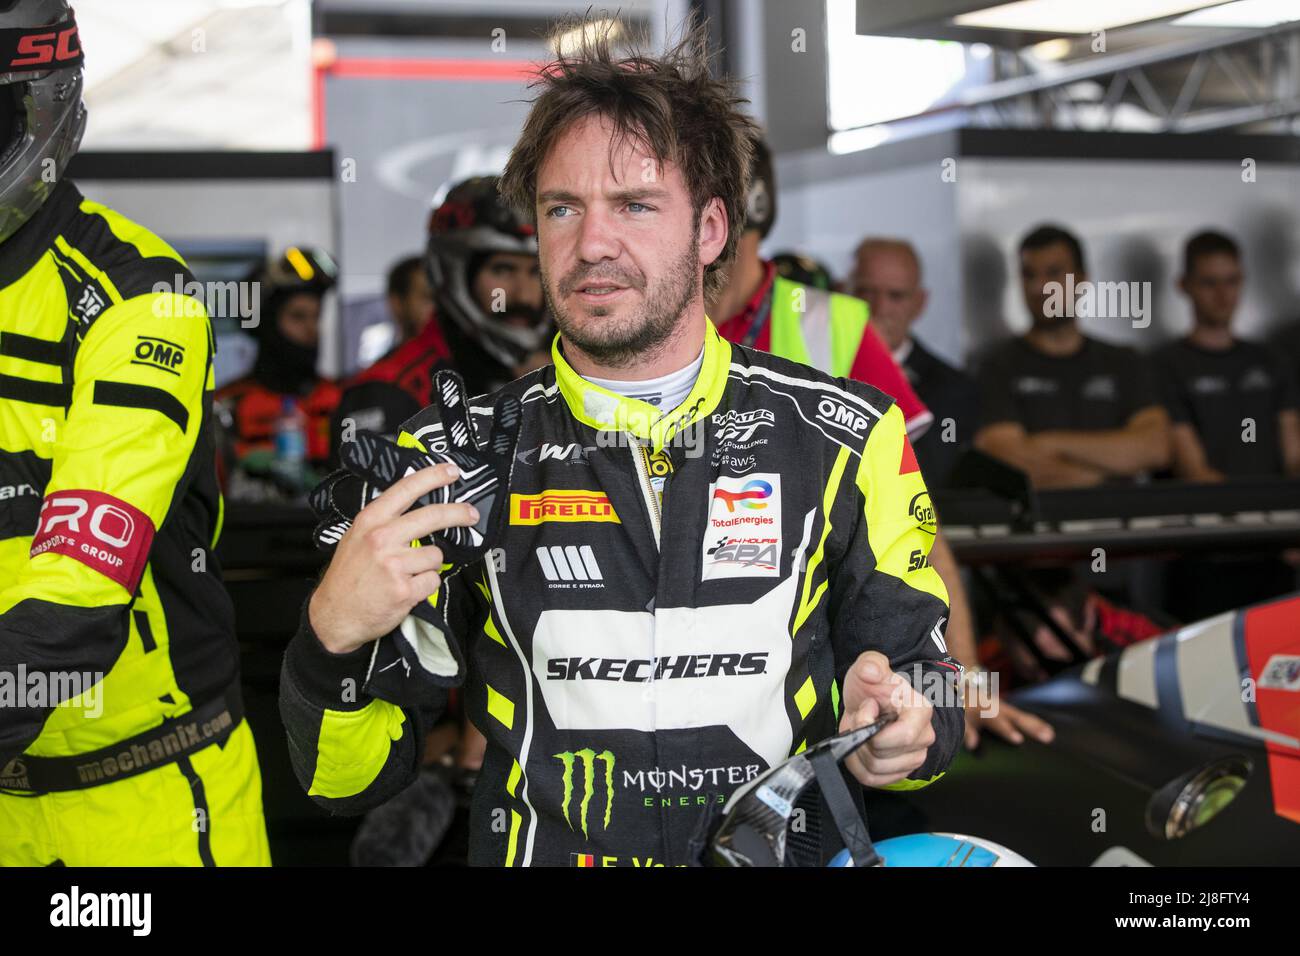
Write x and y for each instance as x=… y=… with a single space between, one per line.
x=665 y=392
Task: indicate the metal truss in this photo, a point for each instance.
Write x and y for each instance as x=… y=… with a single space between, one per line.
x=1122 y=91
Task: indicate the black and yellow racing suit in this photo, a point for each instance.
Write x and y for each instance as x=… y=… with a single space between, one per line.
x=673 y=608
x=122 y=738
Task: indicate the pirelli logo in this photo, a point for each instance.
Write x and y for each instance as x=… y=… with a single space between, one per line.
x=561 y=505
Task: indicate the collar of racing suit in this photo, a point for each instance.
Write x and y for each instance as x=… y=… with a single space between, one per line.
x=608 y=411
x=21 y=251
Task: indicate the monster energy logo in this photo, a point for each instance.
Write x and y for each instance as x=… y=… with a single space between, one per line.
x=587 y=758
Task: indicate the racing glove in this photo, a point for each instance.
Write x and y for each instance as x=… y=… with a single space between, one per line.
x=372 y=464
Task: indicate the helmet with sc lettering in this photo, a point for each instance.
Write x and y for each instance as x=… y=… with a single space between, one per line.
x=42 y=117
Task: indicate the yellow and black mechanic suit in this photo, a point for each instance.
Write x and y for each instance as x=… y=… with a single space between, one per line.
x=122 y=735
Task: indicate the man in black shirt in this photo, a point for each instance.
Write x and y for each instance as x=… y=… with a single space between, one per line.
x=1069 y=410
x=1234 y=404
x=1236 y=412
x=887 y=273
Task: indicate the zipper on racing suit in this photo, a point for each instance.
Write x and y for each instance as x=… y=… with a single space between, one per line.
x=641 y=458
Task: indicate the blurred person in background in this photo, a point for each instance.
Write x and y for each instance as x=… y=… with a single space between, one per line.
x=1069 y=410
x=1095 y=625
x=409 y=297
x=887 y=275
x=488 y=321
x=830 y=331
x=1236 y=413
x=126 y=743
x=1214 y=382
x=276 y=418
x=1287 y=343
x=805 y=270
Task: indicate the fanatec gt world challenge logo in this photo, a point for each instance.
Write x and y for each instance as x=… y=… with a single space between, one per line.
x=737 y=434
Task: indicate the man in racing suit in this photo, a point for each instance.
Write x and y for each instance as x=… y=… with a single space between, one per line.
x=122 y=739
x=672 y=601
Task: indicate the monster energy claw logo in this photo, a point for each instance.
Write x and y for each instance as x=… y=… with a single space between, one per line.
x=588 y=758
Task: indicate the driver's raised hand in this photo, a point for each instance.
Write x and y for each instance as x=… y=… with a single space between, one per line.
x=376 y=576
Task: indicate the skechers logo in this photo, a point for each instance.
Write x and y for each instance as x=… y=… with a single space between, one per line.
x=158 y=353
x=659 y=668
x=553 y=505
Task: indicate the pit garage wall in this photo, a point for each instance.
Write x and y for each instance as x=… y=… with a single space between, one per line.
x=1132 y=198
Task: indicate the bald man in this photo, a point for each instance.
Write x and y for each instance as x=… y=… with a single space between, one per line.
x=887 y=273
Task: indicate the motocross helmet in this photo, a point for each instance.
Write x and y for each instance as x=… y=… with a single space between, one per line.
x=471 y=224
x=42 y=117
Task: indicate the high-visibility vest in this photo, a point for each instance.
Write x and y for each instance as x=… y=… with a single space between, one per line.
x=818 y=328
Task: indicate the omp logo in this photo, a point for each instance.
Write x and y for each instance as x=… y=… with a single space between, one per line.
x=834 y=412
x=569 y=563
x=158 y=353
x=750 y=496
x=561 y=505
x=586 y=759
x=921 y=510
x=740 y=427
x=750 y=552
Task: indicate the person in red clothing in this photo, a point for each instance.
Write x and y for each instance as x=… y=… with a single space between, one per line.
x=283 y=384
x=1095 y=625
x=488 y=321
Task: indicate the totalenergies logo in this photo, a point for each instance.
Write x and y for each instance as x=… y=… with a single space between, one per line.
x=751 y=495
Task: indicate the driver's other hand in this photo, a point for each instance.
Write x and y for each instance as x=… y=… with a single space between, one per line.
x=1006 y=721
x=376 y=576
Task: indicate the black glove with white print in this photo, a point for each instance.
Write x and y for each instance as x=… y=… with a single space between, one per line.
x=372 y=464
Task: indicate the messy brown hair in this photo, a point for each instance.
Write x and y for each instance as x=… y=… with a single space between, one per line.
x=669 y=106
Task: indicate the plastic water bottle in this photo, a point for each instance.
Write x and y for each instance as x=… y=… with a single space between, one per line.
x=291 y=443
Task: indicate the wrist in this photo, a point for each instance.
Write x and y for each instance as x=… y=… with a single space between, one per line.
x=323 y=627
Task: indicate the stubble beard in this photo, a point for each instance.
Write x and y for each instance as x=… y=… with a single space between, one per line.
x=620 y=343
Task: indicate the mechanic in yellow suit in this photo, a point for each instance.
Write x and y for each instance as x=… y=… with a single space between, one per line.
x=122 y=735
